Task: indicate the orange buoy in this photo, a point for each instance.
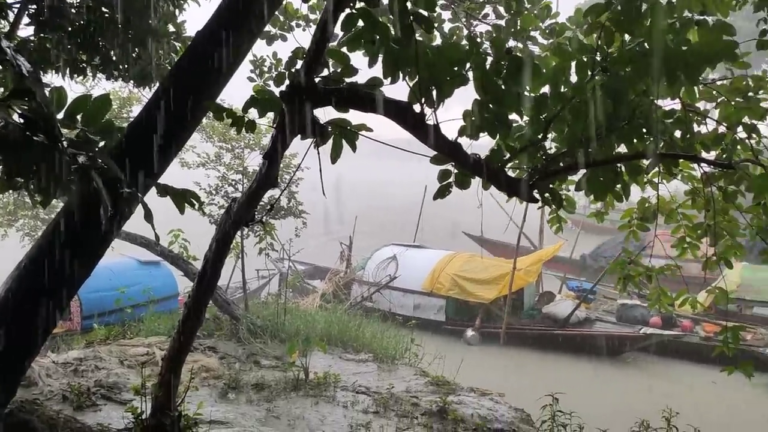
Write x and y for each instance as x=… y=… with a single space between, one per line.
x=687 y=326
x=655 y=322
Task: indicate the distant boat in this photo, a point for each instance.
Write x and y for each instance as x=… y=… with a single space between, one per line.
x=122 y=290
x=589 y=266
x=609 y=226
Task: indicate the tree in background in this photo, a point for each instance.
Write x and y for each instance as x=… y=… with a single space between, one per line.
x=229 y=160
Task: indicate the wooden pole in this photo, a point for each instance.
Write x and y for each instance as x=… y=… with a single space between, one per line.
x=421 y=209
x=573 y=249
x=542 y=221
x=508 y=303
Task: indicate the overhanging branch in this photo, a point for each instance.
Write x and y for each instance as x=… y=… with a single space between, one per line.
x=415 y=123
x=622 y=158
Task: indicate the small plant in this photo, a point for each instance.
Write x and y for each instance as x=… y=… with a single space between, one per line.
x=180 y=244
x=553 y=418
x=444 y=384
x=324 y=382
x=79 y=397
x=188 y=421
x=300 y=354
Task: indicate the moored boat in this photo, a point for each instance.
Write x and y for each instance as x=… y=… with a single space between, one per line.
x=448 y=290
x=591 y=265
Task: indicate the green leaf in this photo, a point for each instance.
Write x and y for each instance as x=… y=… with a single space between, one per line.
x=439 y=160
x=462 y=180
x=180 y=197
x=424 y=22
x=337 y=147
x=58 y=97
x=97 y=111
x=442 y=191
x=444 y=175
x=77 y=107
x=338 y=56
x=349 y=22
x=761 y=45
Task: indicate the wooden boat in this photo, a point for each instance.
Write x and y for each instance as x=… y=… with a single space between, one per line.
x=407 y=301
x=691 y=277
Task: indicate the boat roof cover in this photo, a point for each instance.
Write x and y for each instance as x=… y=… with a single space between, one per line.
x=475 y=278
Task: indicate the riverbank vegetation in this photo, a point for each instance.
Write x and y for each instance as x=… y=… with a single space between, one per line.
x=272 y=321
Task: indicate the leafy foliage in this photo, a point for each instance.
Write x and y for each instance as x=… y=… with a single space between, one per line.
x=229 y=160
x=134 y=41
x=624 y=94
x=90 y=124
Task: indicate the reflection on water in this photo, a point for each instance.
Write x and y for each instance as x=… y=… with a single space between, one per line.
x=606 y=392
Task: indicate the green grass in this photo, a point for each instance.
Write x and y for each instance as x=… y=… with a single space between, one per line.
x=268 y=322
x=351 y=331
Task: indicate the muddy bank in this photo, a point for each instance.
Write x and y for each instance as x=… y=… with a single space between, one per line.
x=253 y=388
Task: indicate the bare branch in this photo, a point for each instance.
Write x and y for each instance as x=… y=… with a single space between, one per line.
x=622 y=158
x=415 y=123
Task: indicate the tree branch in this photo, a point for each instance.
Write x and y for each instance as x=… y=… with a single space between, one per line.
x=294 y=120
x=415 y=123
x=21 y=12
x=222 y=303
x=622 y=158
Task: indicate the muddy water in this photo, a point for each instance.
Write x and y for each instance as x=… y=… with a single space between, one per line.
x=607 y=393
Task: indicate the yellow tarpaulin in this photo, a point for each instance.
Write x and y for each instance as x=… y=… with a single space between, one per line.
x=730 y=281
x=476 y=278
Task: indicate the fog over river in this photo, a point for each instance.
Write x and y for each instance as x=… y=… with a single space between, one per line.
x=383 y=188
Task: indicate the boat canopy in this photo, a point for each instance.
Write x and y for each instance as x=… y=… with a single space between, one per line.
x=746 y=282
x=482 y=279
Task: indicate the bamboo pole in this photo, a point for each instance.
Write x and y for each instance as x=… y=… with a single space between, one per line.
x=542 y=221
x=512 y=277
x=573 y=249
x=421 y=209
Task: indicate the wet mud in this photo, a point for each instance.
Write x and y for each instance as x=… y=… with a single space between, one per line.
x=254 y=388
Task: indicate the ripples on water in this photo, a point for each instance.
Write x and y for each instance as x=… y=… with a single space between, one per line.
x=606 y=392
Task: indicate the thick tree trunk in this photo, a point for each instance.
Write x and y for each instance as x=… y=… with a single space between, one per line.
x=237 y=215
x=39 y=289
x=220 y=300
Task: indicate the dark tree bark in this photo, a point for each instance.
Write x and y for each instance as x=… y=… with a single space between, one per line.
x=42 y=284
x=294 y=120
x=222 y=303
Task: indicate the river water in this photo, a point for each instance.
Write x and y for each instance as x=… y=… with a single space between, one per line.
x=382 y=188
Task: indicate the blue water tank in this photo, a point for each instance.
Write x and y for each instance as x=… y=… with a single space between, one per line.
x=124 y=289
